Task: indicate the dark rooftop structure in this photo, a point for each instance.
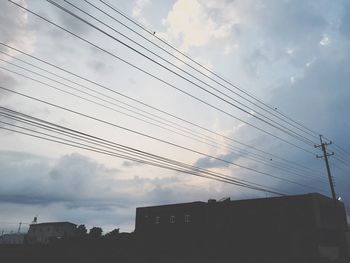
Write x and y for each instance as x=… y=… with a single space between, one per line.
x=42 y=233
x=302 y=228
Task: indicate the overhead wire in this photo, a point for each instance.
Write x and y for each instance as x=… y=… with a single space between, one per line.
x=148 y=136
x=107 y=51
x=342 y=161
x=341 y=148
x=257 y=159
x=147 y=158
x=279 y=127
x=249 y=109
x=94 y=149
x=172 y=47
x=287 y=162
x=155 y=77
x=96 y=140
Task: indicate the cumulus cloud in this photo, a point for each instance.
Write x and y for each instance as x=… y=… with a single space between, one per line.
x=14 y=30
x=58 y=188
x=138 y=10
x=190 y=24
x=139 y=6
x=272 y=48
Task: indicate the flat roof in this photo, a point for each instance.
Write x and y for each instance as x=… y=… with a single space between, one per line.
x=53 y=223
x=286 y=197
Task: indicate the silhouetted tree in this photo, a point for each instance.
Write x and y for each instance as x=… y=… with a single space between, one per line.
x=95 y=232
x=81 y=231
x=113 y=234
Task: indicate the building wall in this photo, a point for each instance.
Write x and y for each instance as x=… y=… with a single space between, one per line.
x=348 y=239
x=304 y=226
x=42 y=233
x=12 y=239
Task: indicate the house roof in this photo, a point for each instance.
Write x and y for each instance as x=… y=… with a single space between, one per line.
x=53 y=224
x=226 y=200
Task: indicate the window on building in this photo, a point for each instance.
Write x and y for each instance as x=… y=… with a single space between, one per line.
x=172 y=219
x=187 y=218
x=157 y=220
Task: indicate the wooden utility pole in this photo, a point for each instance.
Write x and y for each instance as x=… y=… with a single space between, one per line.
x=19 y=227
x=325 y=157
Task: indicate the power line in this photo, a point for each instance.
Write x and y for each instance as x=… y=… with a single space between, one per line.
x=182 y=70
x=97 y=141
x=155 y=77
x=94 y=149
x=288 y=162
x=283 y=129
x=259 y=159
x=339 y=167
x=342 y=161
x=264 y=162
x=150 y=137
x=341 y=148
x=151 y=33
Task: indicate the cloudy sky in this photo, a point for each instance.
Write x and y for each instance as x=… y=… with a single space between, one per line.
x=291 y=55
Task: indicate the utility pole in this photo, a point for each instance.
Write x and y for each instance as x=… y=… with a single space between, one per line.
x=325 y=157
x=19 y=227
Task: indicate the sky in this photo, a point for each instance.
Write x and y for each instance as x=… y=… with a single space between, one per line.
x=291 y=55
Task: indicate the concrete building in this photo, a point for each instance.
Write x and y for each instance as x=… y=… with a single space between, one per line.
x=12 y=239
x=302 y=228
x=42 y=233
x=348 y=238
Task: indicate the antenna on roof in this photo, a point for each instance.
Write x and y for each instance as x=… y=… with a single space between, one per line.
x=35 y=220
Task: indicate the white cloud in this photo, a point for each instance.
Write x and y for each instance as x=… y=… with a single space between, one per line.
x=14 y=29
x=190 y=24
x=139 y=6
x=325 y=41
x=227 y=49
x=290 y=51
x=292 y=80
x=138 y=10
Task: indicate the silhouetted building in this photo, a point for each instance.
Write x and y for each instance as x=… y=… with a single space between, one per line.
x=348 y=239
x=12 y=239
x=300 y=228
x=42 y=233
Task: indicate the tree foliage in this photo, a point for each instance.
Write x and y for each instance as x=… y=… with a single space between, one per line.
x=95 y=232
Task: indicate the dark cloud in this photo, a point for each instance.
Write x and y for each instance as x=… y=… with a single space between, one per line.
x=76 y=183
